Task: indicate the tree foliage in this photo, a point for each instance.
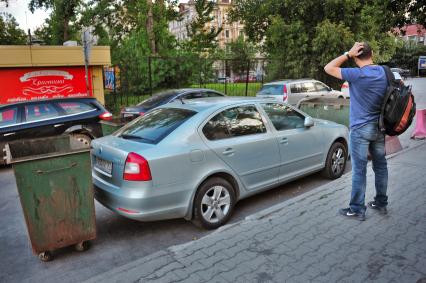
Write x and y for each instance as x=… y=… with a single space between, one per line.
x=407 y=56
x=304 y=35
x=60 y=26
x=240 y=51
x=203 y=40
x=10 y=33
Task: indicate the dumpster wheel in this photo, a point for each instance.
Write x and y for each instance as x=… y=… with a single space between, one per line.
x=82 y=246
x=45 y=256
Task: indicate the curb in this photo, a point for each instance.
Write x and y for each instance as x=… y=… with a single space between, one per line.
x=268 y=211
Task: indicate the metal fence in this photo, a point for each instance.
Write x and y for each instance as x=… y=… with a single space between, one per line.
x=129 y=83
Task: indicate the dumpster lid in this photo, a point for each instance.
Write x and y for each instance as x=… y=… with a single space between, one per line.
x=41 y=148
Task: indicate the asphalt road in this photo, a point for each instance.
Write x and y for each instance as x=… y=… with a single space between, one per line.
x=120 y=240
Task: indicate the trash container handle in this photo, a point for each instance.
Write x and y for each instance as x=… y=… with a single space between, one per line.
x=57 y=169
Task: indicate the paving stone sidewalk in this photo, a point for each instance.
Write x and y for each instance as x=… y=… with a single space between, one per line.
x=304 y=239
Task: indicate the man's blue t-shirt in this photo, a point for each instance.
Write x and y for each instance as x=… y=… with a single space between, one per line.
x=367 y=87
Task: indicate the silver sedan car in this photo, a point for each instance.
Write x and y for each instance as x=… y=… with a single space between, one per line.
x=196 y=158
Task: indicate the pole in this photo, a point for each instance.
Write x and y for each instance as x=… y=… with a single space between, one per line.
x=150 y=75
x=86 y=50
x=247 y=75
x=226 y=68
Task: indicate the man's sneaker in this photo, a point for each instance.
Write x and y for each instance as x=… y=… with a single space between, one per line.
x=351 y=214
x=381 y=209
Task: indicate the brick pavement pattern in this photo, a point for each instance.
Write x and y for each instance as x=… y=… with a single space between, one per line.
x=304 y=239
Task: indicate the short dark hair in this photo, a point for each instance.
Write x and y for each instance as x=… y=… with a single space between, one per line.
x=366 y=51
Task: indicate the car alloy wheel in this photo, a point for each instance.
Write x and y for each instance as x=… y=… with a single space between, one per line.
x=336 y=161
x=215 y=204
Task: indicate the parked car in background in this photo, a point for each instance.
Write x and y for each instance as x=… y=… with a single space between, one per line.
x=198 y=158
x=404 y=73
x=131 y=112
x=78 y=117
x=292 y=91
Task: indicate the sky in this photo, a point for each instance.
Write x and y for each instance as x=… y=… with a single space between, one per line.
x=26 y=19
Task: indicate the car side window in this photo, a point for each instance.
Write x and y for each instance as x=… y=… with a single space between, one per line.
x=321 y=87
x=211 y=94
x=235 y=122
x=193 y=95
x=283 y=117
x=216 y=128
x=8 y=116
x=244 y=120
x=75 y=107
x=296 y=88
x=308 y=87
x=35 y=112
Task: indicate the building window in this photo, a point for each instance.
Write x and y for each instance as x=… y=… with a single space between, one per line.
x=227 y=33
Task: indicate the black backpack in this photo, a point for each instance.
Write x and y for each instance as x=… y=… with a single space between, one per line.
x=398 y=108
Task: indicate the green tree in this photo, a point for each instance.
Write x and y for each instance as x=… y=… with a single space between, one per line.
x=302 y=36
x=10 y=33
x=240 y=51
x=407 y=56
x=203 y=40
x=60 y=24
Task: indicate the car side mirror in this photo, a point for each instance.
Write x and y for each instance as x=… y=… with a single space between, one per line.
x=330 y=89
x=309 y=122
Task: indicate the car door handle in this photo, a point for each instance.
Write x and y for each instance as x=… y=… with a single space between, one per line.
x=9 y=134
x=58 y=125
x=228 y=151
x=283 y=141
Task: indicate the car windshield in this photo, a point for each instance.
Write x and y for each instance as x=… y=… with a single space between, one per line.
x=272 y=90
x=158 y=99
x=156 y=125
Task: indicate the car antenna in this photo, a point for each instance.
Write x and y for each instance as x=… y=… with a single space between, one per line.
x=181 y=100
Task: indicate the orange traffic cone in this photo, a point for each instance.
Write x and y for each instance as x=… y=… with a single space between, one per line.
x=420 y=129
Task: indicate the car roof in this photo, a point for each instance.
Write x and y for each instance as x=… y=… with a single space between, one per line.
x=47 y=100
x=286 y=81
x=211 y=103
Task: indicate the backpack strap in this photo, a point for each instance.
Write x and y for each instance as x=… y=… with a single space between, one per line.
x=390 y=78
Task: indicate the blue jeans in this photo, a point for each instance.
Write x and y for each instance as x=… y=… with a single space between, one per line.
x=364 y=139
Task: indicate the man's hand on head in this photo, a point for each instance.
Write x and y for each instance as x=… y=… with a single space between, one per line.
x=356 y=49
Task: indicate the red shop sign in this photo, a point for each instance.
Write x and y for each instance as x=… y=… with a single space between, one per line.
x=22 y=84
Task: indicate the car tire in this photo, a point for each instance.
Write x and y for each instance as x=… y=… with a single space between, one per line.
x=213 y=203
x=336 y=161
x=82 y=139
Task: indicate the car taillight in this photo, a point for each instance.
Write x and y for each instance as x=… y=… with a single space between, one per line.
x=106 y=116
x=285 y=95
x=136 y=168
x=141 y=113
x=345 y=85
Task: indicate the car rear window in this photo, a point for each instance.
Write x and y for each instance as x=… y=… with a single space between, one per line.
x=272 y=90
x=8 y=117
x=75 y=107
x=156 y=125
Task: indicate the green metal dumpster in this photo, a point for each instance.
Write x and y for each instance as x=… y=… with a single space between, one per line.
x=333 y=109
x=53 y=177
x=109 y=127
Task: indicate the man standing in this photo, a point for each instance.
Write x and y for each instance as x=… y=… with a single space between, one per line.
x=367 y=86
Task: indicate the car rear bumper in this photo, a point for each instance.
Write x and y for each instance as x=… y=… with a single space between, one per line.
x=151 y=205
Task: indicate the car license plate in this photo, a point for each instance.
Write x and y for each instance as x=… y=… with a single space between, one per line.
x=127 y=115
x=103 y=165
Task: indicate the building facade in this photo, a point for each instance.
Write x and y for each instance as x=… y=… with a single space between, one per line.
x=414 y=33
x=230 y=30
